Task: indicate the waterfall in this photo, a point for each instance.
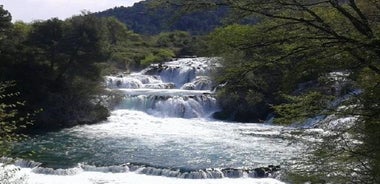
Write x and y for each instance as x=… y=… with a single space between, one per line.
x=161 y=133
x=180 y=88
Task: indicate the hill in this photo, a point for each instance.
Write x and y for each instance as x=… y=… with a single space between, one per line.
x=145 y=19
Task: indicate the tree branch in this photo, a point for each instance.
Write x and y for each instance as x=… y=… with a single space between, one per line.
x=363 y=28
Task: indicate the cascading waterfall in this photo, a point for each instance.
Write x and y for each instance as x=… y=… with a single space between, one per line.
x=180 y=88
x=162 y=133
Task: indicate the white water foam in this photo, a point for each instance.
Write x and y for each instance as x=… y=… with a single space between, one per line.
x=200 y=143
x=130 y=178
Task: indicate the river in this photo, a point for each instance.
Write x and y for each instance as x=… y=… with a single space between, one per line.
x=162 y=132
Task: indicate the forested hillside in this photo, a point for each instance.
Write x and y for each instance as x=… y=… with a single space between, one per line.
x=147 y=18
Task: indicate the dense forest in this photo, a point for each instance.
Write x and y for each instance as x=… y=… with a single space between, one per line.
x=150 y=18
x=283 y=66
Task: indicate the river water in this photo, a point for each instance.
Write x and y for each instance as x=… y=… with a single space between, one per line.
x=162 y=132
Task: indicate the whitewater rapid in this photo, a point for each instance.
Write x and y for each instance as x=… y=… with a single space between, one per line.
x=162 y=132
x=166 y=142
x=131 y=178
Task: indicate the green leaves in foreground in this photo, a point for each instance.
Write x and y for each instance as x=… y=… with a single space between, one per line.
x=11 y=121
x=299 y=108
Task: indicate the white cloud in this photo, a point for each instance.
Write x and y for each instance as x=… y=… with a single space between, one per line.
x=29 y=10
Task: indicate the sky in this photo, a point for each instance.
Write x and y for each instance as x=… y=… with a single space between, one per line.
x=29 y=10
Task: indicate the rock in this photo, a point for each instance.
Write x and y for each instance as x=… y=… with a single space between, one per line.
x=220 y=115
x=260 y=173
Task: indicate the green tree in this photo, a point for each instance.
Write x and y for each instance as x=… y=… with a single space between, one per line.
x=5 y=22
x=248 y=71
x=127 y=49
x=158 y=56
x=182 y=43
x=55 y=64
x=5 y=29
x=71 y=50
x=305 y=41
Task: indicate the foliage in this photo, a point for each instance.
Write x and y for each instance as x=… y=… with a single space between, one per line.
x=68 y=53
x=298 y=108
x=180 y=42
x=146 y=18
x=11 y=120
x=56 y=64
x=296 y=43
x=5 y=21
x=126 y=48
x=246 y=72
x=158 y=56
x=369 y=126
